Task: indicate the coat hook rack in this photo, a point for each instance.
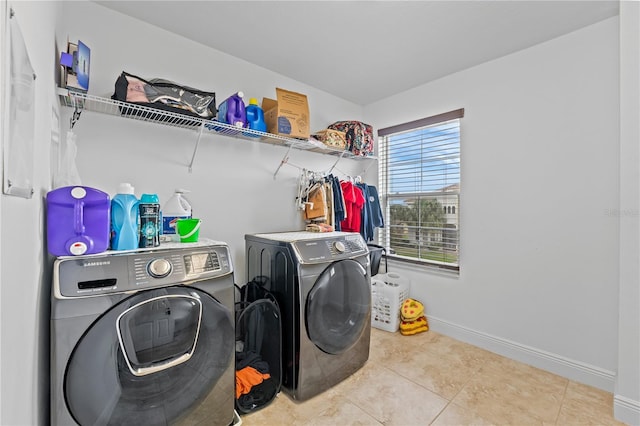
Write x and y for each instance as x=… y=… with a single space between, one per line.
x=77 y=110
x=75 y=117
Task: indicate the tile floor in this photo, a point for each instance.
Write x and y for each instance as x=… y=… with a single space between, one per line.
x=432 y=379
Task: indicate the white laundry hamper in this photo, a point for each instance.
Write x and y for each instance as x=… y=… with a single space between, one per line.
x=388 y=291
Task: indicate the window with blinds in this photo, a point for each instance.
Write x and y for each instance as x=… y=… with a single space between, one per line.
x=419 y=166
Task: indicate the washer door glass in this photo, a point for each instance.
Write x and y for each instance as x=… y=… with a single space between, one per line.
x=150 y=359
x=338 y=307
x=159 y=333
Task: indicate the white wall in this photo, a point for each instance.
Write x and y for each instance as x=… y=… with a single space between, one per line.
x=25 y=269
x=3 y=14
x=627 y=391
x=232 y=185
x=539 y=241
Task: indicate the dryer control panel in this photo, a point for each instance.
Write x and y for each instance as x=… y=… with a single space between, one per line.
x=96 y=275
x=330 y=248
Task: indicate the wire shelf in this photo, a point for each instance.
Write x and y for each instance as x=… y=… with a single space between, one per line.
x=82 y=101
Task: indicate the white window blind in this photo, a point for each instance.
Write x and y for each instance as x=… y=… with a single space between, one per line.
x=419 y=164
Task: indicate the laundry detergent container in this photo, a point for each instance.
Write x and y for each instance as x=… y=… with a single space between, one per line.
x=77 y=221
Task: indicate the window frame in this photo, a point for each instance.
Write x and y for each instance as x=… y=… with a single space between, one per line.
x=384 y=236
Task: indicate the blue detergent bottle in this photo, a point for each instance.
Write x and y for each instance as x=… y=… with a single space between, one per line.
x=255 y=118
x=124 y=219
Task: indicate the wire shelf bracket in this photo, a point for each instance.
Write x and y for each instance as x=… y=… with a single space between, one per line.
x=195 y=148
x=284 y=161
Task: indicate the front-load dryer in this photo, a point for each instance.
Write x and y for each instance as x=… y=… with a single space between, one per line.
x=144 y=337
x=322 y=284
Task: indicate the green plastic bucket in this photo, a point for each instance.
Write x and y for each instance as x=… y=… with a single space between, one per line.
x=188 y=229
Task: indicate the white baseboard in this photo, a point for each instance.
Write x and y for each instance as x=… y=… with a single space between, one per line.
x=565 y=367
x=626 y=410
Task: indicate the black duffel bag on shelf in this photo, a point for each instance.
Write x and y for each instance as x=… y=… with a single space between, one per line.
x=163 y=95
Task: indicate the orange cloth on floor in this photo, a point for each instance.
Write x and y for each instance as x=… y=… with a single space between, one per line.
x=247 y=378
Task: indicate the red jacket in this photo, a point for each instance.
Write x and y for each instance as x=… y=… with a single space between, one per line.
x=353 y=204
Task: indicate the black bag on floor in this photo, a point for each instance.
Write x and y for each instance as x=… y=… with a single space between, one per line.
x=258 y=347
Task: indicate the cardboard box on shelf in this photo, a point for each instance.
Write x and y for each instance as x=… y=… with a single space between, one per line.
x=287 y=115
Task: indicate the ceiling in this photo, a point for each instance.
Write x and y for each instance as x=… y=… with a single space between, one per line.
x=364 y=51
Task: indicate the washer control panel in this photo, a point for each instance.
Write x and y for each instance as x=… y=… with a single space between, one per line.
x=116 y=273
x=159 y=268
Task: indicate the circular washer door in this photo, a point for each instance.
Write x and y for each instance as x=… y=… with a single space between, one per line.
x=338 y=307
x=150 y=359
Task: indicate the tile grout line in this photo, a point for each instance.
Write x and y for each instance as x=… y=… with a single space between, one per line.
x=471 y=376
x=441 y=411
x=418 y=384
x=449 y=401
x=351 y=401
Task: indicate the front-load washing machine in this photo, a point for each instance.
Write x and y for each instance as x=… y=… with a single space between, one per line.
x=144 y=337
x=322 y=284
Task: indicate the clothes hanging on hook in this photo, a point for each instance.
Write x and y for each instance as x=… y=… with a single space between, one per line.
x=377 y=218
x=303 y=189
x=328 y=189
x=339 y=210
x=371 y=212
x=348 y=205
x=316 y=205
x=362 y=208
x=354 y=202
x=319 y=201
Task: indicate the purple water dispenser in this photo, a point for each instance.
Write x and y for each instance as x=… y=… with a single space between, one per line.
x=77 y=221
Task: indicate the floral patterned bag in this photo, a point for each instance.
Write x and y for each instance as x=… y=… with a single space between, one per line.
x=358 y=134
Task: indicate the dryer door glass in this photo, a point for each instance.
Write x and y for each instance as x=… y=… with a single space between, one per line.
x=151 y=359
x=338 y=307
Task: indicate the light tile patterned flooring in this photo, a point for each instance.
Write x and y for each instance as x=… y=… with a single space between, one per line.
x=432 y=379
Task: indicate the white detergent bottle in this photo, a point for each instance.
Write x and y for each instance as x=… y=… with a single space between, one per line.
x=176 y=207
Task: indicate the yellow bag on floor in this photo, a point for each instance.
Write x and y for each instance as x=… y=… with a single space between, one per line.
x=408 y=328
x=411 y=310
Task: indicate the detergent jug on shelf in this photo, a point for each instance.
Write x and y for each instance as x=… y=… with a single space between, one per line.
x=255 y=118
x=77 y=221
x=232 y=110
x=124 y=219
